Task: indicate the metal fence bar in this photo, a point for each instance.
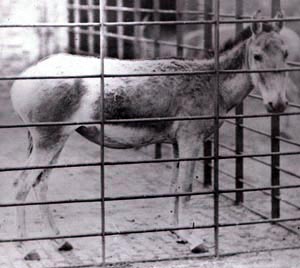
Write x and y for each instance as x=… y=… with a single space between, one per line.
x=239 y=132
x=112 y=75
x=153 y=161
x=152 y=230
x=137 y=31
x=133 y=23
x=140 y=120
x=147 y=196
x=252 y=185
x=102 y=118
x=275 y=161
x=216 y=126
x=157 y=31
x=263 y=133
x=108 y=199
x=208 y=46
x=262 y=215
x=275 y=144
x=91 y=36
x=120 y=29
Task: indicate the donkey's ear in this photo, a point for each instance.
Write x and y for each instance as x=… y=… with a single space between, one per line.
x=257 y=27
x=278 y=25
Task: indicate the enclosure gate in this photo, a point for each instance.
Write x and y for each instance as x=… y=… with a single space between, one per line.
x=87 y=29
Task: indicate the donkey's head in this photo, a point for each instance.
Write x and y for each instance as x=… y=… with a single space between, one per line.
x=266 y=50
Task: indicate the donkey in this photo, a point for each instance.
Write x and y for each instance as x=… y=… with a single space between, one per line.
x=259 y=46
x=195 y=39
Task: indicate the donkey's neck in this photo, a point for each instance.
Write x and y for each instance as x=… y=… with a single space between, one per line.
x=234 y=87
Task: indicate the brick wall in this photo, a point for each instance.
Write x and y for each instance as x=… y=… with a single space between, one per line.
x=30 y=44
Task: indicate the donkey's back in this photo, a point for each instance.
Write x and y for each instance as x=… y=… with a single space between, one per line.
x=79 y=98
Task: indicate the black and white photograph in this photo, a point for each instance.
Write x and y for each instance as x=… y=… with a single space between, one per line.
x=150 y=133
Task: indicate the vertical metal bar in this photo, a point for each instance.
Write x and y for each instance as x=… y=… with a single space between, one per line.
x=156 y=17
x=137 y=29
x=208 y=9
x=91 y=35
x=71 y=34
x=275 y=147
x=207 y=169
x=239 y=131
x=207 y=151
x=120 y=29
x=156 y=28
x=275 y=162
x=179 y=28
x=76 y=19
x=276 y=6
x=216 y=133
x=102 y=167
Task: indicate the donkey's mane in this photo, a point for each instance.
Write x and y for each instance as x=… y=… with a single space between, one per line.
x=242 y=36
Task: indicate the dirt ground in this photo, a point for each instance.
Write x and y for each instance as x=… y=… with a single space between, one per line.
x=144 y=214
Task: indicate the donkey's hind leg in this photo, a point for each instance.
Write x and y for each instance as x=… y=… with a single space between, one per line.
x=43 y=153
x=41 y=189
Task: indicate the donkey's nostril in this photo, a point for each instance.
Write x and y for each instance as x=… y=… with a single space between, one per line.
x=270 y=104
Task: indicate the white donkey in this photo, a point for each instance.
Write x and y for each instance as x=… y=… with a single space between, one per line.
x=258 y=47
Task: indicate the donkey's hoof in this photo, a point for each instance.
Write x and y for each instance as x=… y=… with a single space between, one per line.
x=181 y=241
x=66 y=246
x=199 y=249
x=32 y=256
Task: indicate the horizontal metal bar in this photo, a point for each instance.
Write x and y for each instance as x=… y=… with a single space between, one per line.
x=138 y=197
x=152 y=230
x=134 y=23
x=142 y=120
x=288 y=172
x=223 y=191
x=227 y=174
x=291 y=142
x=106 y=199
x=108 y=75
x=264 y=216
x=204 y=72
x=152 y=161
x=106 y=24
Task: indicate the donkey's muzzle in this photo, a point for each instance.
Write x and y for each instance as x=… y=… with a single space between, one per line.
x=278 y=107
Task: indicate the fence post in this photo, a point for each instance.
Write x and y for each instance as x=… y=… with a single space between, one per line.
x=239 y=131
x=275 y=147
x=179 y=28
x=156 y=17
x=137 y=31
x=71 y=32
x=207 y=169
x=120 y=29
x=91 y=36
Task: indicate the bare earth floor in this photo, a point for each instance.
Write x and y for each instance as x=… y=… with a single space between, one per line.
x=144 y=214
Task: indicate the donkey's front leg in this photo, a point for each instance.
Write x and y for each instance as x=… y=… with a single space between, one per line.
x=188 y=148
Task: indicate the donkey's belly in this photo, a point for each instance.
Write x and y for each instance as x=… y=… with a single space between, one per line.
x=131 y=137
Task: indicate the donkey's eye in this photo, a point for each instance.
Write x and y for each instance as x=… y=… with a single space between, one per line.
x=258 y=57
